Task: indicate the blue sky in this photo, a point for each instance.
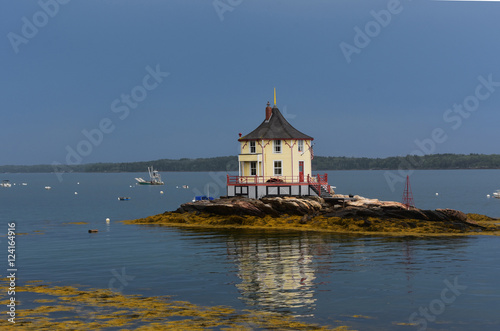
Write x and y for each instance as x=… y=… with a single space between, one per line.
x=68 y=69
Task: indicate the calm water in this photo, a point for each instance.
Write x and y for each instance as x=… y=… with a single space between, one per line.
x=441 y=283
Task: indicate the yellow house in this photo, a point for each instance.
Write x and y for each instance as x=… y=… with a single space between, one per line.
x=275 y=159
x=275 y=149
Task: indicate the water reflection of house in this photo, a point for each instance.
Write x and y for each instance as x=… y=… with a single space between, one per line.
x=276 y=274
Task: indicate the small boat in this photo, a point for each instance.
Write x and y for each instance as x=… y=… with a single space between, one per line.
x=124 y=198
x=5 y=183
x=48 y=187
x=497 y=194
x=202 y=198
x=154 y=178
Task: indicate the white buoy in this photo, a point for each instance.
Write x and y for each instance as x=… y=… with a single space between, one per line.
x=161 y=192
x=487 y=195
x=77 y=183
x=76 y=193
x=437 y=193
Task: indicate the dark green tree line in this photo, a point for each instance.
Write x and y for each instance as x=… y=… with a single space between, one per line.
x=230 y=163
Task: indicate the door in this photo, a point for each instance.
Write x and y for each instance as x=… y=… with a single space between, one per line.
x=301 y=171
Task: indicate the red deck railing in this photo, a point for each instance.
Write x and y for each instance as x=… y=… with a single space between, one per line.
x=318 y=181
x=264 y=180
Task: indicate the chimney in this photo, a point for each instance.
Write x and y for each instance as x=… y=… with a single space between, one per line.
x=269 y=111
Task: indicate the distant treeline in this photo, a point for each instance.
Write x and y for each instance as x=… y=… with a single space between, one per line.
x=230 y=163
x=434 y=161
x=222 y=163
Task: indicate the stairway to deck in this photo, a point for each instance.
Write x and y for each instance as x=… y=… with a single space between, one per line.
x=319 y=184
x=322 y=193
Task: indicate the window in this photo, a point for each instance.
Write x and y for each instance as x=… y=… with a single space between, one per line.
x=241 y=190
x=277 y=168
x=253 y=168
x=252 y=147
x=300 y=146
x=277 y=146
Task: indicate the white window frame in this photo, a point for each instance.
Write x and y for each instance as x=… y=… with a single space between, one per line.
x=252 y=146
x=300 y=146
x=277 y=144
x=253 y=168
x=280 y=168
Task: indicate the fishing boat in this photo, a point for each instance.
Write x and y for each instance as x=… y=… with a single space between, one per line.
x=497 y=194
x=154 y=178
x=124 y=198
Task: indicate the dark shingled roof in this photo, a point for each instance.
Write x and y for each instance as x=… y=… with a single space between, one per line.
x=276 y=128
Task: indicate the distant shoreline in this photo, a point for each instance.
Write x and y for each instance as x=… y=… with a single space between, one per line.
x=319 y=163
x=223 y=171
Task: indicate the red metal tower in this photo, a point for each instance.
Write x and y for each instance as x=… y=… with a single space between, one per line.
x=408 y=195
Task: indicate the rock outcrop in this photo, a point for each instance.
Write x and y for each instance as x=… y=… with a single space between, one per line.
x=339 y=214
x=272 y=206
x=357 y=208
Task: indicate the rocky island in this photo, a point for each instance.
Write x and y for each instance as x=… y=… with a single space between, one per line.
x=341 y=214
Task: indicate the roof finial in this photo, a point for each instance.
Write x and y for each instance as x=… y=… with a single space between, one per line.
x=275 y=96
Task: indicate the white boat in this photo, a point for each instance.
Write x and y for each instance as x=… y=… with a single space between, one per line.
x=48 y=187
x=154 y=178
x=497 y=194
x=5 y=183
